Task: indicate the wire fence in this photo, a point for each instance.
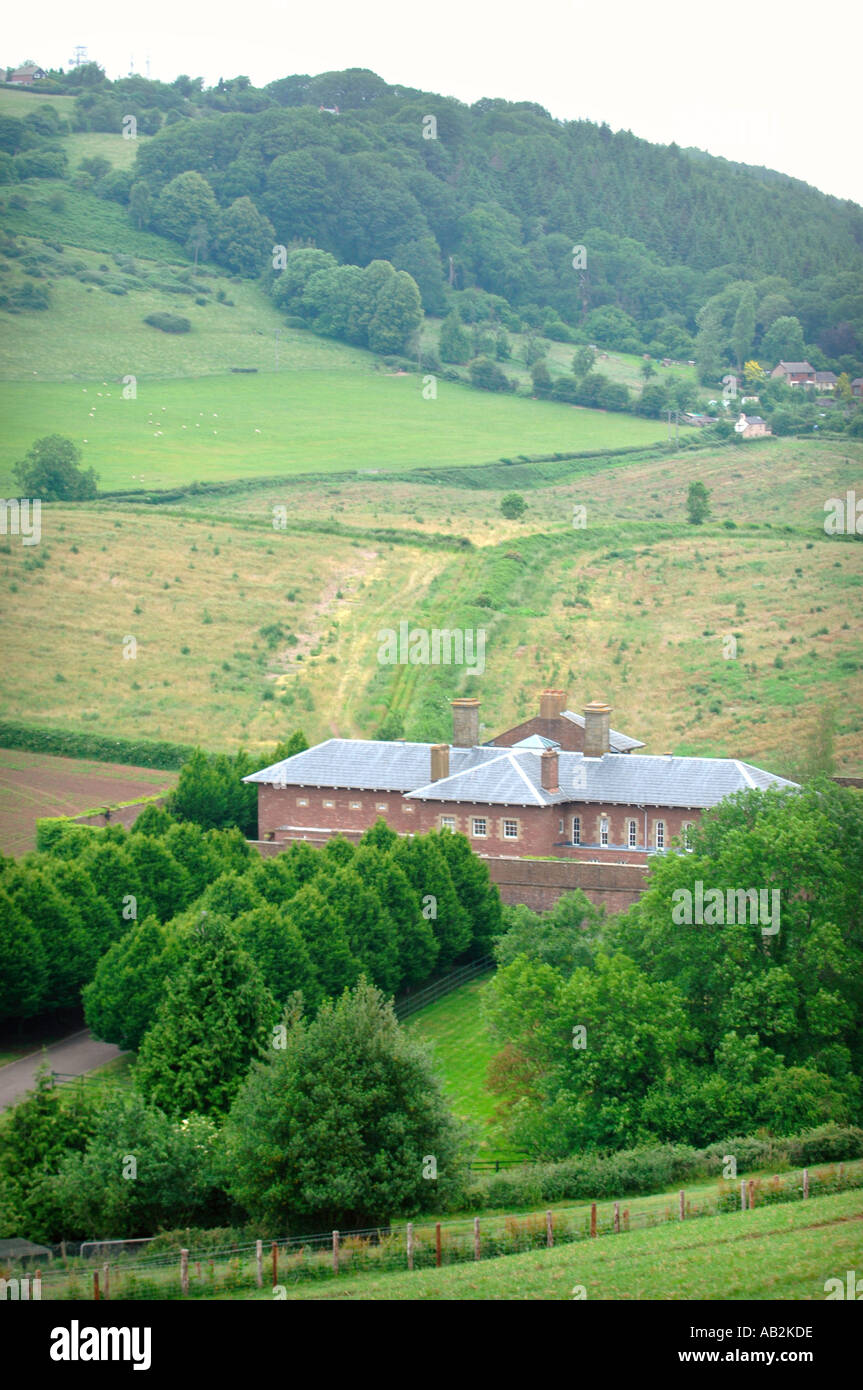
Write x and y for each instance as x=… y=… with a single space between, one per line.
x=430 y=993
x=246 y=1269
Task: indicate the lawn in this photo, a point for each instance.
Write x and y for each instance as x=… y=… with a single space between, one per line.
x=293 y=421
x=463 y=1051
x=776 y=1252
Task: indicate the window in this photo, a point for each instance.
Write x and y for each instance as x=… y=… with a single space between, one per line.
x=660 y=834
x=408 y=810
x=302 y=801
x=356 y=805
x=447 y=822
x=560 y=827
x=576 y=830
x=479 y=826
x=380 y=805
x=687 y=834
x=603 y=831
x=510 y=830
x=633 y=834
x=329 y=803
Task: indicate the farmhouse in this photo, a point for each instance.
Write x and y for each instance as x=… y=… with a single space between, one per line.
x=752 y=426
x=561 y=786
x=26 y=75
x=795 y=373
x=857 y=387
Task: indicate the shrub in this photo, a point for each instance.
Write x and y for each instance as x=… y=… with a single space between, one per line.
x=169 y=323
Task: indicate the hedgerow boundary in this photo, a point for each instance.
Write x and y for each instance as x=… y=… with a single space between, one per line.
x=238 y=1269
x=66 y=743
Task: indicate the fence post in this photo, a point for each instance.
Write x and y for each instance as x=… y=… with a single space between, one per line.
x=63 y=1251
x=335 y=1252
x=107 y=1281
x=805 y=1183
x=549 y=1229
x=437 y=1249
x=275 y=1257
x=197 y=1269
x=476 y=1244
x=96 y=1285
x=593 y=1218
x=626 y=1218
x=259 y=1263
x=410 y=1245
x=682 y=1205
x=184 y=1271
x=751 y=1193
x=617 y=1218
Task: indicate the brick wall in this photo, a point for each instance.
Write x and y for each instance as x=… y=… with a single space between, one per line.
x=538 y=885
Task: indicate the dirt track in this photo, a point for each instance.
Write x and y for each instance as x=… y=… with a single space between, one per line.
x=73 y=1056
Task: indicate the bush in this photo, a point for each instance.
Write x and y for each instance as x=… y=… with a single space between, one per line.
x=66 y=743
x=169 y=323
x=488 y=376
x=513 y=506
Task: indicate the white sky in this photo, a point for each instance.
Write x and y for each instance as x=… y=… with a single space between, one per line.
x=768 y=84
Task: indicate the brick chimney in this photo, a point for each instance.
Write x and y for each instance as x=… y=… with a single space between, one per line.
x=596 y=717
x=552 y=704
x=548 y=770
x=439 y=761
x=465 y=723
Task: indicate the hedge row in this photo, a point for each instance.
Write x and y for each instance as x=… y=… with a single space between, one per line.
x=66 y=743
x=633 y=1172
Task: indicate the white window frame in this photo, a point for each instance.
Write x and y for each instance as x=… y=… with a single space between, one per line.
x=447 y=823
x=356 y=805
x=659 y=834
x=509 y=821
x=632 y=834
x=603 y=831
x=576 y=830
x=381 y=805
x=688 y=827
x=479 y=834
x=302 y=801
x=328 y=805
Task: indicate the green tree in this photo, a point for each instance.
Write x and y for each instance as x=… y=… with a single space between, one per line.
x=51 y=470
x=783 y=341
x=697 y=503
x=336 y=1129
x=23 y=967
x=428 y=873
x=123 y=998
x=647 y=368
x=582 y=361
x=174 y=1182
x=39 y=1132
x=243 y=238
x=398 y=314
x=326 y=938
x=475 y=891
x=709 y=342
x=541 y=377
x=743 y=330
x=280 y=953
x=513 y=506
x=214 y=1017
x=414 y=937
x=488 y=376
x=454 y=339
x=185 y=201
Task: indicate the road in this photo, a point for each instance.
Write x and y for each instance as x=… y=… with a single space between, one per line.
x=78 y=1053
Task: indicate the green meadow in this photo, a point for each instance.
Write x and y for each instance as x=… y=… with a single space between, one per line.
x=288 y=422
x=463 y=1051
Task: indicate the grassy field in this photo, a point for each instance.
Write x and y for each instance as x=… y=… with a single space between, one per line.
x=463 y=1051
x=34 y=785
x=780 y=1252
x=635 y=606
x=236 y=426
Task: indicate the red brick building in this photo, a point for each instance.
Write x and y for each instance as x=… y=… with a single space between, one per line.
x=561 y=784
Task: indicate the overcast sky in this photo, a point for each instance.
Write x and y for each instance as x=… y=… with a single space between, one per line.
x=768 y=84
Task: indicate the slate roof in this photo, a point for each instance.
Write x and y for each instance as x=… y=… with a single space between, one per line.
x=511 y=776
x=796 y=367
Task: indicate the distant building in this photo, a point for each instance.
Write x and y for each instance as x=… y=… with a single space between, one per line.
x=331 y=110
x=558 y=802
x=826 y=381
x=691 y=417
x=857 y=387
x=795 y=373
x=752 y=426
x=26 y=75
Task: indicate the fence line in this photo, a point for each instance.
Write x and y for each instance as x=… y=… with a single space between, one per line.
x=417 y=1245
x=405 y=1007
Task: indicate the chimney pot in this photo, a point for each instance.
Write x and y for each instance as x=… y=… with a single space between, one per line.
x=596 y=729
x=548 y=763
x=465 y=723
x=439 y=761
